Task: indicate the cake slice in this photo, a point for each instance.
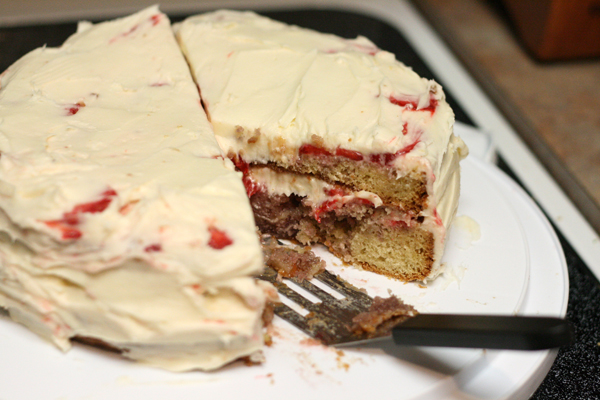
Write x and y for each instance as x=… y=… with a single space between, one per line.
x=339 y=142
x=121 y=223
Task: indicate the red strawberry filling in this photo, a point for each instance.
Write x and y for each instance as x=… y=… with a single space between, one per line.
x=313 y=150
x=153 y=248
x=412 y=104
x=351 y=154
x=370 y=50
x=218 y=238
x=334 y=204
x=251 y=186
x=336 y=201
x=438 y=220
x=72 y=218
x=124 y=34
x=155 y=19
x=380 y=158
x=73 y=109
x=335 y=191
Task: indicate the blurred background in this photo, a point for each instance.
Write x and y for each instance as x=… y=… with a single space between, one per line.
x=539 y=62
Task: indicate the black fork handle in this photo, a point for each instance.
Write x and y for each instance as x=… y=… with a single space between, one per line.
x=484 y=331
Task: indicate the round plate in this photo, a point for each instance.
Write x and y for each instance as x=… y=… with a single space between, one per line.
x=488 y=275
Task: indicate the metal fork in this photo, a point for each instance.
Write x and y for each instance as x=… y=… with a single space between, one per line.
x=331 y=322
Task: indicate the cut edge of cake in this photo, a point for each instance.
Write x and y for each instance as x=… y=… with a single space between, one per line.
x=341 y=112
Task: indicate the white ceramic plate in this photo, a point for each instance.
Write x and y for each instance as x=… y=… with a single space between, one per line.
x=486 y=275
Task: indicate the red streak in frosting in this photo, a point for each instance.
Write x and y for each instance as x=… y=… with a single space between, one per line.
x=72 y=218
x=251 y=186
x=95 y=206
x=438 y=220
x=67 y=231
x=74 y=108
x=153 y=248
x=124 y=34
x=155 y=19
x=412 y=104
x=218 y=238
x=388 y=158
x=408 y=148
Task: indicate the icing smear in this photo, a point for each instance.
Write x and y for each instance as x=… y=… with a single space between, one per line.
x=120 y=219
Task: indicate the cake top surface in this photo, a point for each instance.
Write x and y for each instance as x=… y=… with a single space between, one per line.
x=112 y=120
x=289 y=84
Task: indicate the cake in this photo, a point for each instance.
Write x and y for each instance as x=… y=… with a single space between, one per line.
x=131 y=189
x=339 y=143
x=122 y=224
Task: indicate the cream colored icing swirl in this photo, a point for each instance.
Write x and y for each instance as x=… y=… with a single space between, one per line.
x=120 y=219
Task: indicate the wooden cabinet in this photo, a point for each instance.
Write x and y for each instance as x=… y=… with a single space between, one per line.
x=557 y=29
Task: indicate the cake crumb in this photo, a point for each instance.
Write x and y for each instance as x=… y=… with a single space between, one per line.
x=383 y=314
x=341 y=363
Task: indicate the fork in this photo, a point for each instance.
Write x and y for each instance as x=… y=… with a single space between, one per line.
x=331 y=320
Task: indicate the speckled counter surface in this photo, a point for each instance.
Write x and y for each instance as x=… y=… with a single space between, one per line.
x=576 y=371
x=575 y=374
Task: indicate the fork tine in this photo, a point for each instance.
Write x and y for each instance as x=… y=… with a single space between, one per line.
x=329 y=320
x=324 y=328
x=297 y=298
x=314 y=290
x=343 y=287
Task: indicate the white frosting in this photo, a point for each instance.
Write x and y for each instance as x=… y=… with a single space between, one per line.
x=292 y=83
x=315 y=191
x=278 y=85
x=119 y=218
